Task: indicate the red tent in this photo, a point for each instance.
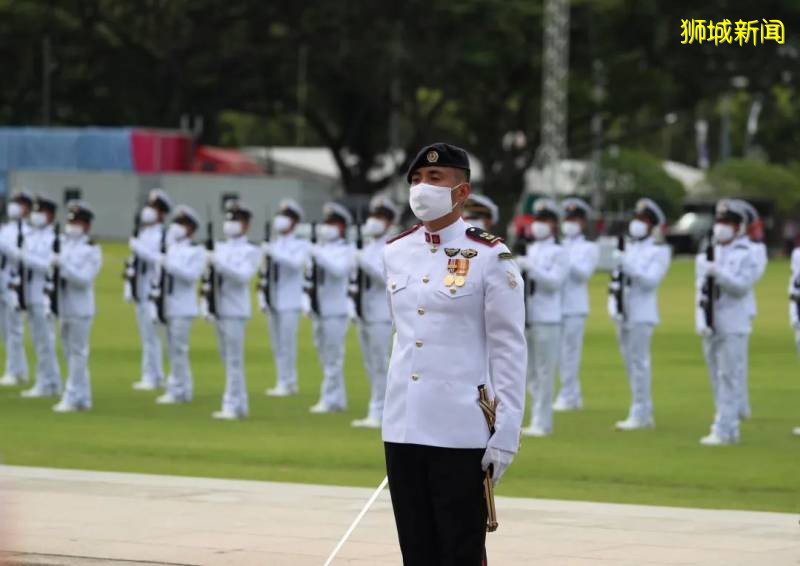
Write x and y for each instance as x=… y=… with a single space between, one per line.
x=209 y=159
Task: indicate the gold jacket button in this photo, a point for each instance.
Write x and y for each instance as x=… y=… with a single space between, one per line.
x=418 y=343
x=394 y=285
x=414 y=377
x=420 y=311
x=426 y=279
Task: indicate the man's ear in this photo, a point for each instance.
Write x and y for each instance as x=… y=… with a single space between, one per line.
x=462 y=193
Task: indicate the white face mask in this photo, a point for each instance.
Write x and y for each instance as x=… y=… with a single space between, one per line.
x=176 y=232
x=282 y=223
x=431 y=202
x=327 y=232
x=73 y=230
x=481 y=223
x=148 y=215
x=541 y=230
x=723 y=233
x=374 y=227
x=38 y=219
x=14 y=210
x=232 y=228
x=638 y=229
x=570 y=228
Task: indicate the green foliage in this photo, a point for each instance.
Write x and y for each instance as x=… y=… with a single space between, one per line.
x=751 y=178
x=630 y=175
x=584 y=460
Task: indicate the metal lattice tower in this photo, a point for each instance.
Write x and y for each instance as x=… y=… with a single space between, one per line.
x=555 y=68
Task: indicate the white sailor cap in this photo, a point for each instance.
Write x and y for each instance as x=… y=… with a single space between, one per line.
x=649 y=208
x=160 y=199
x=336 y=210
x=481 y=205
x=185 y=213
x=44 y=202
x=752 y=213
x=236 y=209
x=293 y=208
x=576 y=207
x=731 y=210
x=384 y=205
x=23 y=196
x=79 y=210
x=546 y=208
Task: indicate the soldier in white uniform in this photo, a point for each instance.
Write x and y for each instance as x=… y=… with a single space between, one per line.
x=582 y=260
x=183 y=265
x=13 y=313
x=235 y=262
x=644 y=264
x=755 y=233
x=794 y=305
x=734 y=271
x=145 y=247
x=288 y=256
x=480 y=211
x=374 y=320
x=546 y=266
x=37 y=258
x=79 y=263
x=333 y=257
x=456 y=301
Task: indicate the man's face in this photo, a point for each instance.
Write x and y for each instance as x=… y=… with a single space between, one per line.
x=448 y=177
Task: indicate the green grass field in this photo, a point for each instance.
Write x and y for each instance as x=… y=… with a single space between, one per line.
x=584 y=460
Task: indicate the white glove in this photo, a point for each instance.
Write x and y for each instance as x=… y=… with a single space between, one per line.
x=704 y=331
x=314 y=250
x=499 y=459
x=305 y=304
x=522 y=262
x=709 y=268
x=55 y=259
x=265 y=248
x=617 y=258
x=211 y=257
x=357 y=257
x=134 y=243
x=160 y=259
x=612 y=309
x=794 y=320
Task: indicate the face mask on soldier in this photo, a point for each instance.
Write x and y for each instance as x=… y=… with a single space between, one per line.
x=638 y=229
x=541 y=230
x=72 y=230
x=723 y=233
x=431 y=202
x=148 y=215
x=328 y=232
x=232 y=228
x=14 y=210
x=38 y=219
x=374 y=227
x=282 y=223
x=570 y=228
x=176 y=232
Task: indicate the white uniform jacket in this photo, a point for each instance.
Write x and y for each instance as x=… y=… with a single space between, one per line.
x=736 y=272
x=9 y=252
x=451 y=339
x=37 y=258
x=546 y=265
x=79 y=264
x=794 y=291
x=236 y=262
x=374 y=307
x=287 y=276
x=334 y=265
x=759 y=253
x=645 y=264
x=147 y=247
x=582 y=260
x=184 y=264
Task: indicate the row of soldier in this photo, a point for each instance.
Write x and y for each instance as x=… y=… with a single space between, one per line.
x=334 y=282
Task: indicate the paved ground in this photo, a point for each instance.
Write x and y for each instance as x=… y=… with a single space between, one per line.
x=67 y=518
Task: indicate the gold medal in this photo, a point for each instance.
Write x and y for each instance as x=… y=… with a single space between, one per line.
x=460 y=280
x=449 y=280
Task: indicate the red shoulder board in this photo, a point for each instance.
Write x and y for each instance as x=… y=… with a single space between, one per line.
x=483 y=237
x=405 y=233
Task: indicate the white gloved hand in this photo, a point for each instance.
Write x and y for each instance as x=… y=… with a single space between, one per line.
x=305 y=304
x=265 y=248
x=211 y=257
x=709 y=268
x=134 y=244
x=794 y=319
x=499 y=459
x=160 y=260
x=612 y=309
x=704 y=331
x=617 y=258
x=55 y=259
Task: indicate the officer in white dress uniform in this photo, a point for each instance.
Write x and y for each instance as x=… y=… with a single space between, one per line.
x=546 y=265
x=644 y=264
x=235 y=262
x=145 y=247
x=79 y=263
x=755 y=233
x=456 y=301
x=13 y=315
x=37 y=257
x=288 y=257
x=480 y=211
x=582 y=260
x=794 y=305
x=183 y=264
x=374 y=321
x=734 y=271
x=334 y=259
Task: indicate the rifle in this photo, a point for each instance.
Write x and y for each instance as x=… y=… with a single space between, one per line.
x=617 y=285
x=131 y=273
x=313 y=292
x=159 y=286
x=208 y=286
x=20 y=284
x=266 y=268
x=54 y=280
x=358 y=292
x=707 y=300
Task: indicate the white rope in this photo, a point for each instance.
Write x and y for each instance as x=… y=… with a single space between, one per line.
x=360 y=516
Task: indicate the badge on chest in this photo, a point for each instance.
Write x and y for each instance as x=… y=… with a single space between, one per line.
x=457 y=270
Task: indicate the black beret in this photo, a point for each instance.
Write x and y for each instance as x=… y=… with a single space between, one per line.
x=439 y=155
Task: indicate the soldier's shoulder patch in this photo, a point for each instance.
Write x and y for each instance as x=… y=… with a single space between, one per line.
x=483 y=236
x=404 y=233
x=505 y=255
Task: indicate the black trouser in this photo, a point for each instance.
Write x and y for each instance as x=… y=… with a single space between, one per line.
x=437 y=496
